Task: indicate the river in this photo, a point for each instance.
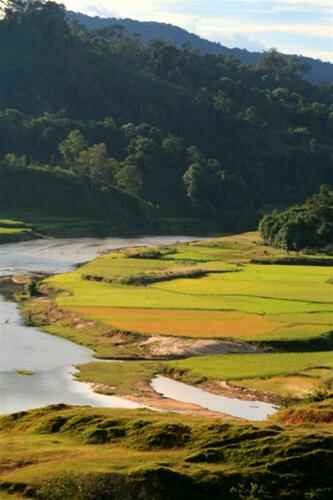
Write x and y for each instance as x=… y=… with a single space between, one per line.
x=50 y=359
x=37 y=369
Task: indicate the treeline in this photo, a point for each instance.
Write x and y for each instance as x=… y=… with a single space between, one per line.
x=307 y=226
x=196 y=136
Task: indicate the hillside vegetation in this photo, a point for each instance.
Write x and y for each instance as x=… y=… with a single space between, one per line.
x=83 y=454
x=302 y=226
x=37 y=192
x=197 y=136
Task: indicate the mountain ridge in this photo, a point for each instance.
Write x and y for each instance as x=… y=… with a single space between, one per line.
x=320 y=72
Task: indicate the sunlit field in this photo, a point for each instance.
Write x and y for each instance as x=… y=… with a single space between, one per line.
x=285 y=375
x=247 y=366
x=232 y=299
x=182 y=322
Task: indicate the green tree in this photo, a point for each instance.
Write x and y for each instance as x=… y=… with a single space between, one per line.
x=71 y=148
x=95 y=162
x=11 y=160
x=280 y=66
x=130 y=179
x=194 y=178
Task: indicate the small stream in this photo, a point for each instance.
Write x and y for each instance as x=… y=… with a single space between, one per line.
x=51 y=360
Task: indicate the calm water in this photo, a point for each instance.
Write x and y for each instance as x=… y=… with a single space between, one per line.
x=60 y=255
x=51 y=359
x=251 y=410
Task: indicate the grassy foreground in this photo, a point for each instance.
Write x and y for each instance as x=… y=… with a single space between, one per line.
x=63 y=453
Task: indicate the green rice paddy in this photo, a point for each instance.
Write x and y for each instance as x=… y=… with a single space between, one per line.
x=295 y=301
x=246 y=366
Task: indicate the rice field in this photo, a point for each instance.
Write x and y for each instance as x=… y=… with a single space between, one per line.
x=234 y=299
x=288 y=283
x=248 y=366
x=282 y=375
x=198 y=324
x=289 y=386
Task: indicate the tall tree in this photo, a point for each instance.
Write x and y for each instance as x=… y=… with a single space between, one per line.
x=72 y=147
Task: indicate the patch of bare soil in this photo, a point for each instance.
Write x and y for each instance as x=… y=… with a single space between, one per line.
x=165 y=347
x=48 y=313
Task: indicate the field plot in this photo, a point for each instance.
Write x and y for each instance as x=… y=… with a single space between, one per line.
x=286 y=375
x=245 y=302
x=247 y=366
x=292 y=283
x=201 y=324
x=288 y=386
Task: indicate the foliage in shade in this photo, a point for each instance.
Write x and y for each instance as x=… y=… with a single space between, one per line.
x=318 y=71
x=302 y=226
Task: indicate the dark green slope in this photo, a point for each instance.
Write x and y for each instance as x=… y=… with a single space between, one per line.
x=36 y=191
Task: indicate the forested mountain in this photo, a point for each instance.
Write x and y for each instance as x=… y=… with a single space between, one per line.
x=318 y=71
x=195 y=136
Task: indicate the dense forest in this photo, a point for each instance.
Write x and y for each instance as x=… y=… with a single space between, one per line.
x=302 y=226
x=148 y=31
x=194 y=136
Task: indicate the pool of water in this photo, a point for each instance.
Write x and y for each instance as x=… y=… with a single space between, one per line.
x=250 y=410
